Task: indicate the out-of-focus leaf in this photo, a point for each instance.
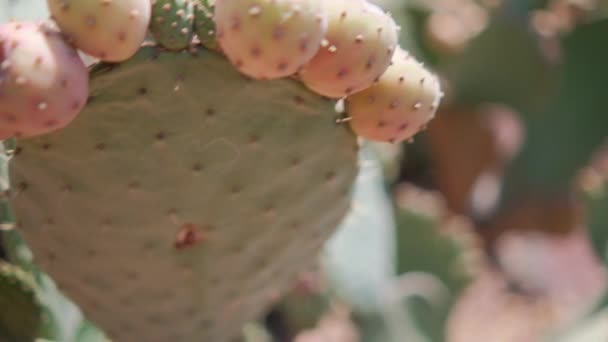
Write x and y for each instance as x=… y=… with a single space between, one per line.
x=390 y=157
x=359 y=259
x=254 y=332
x=23 y=10
x=597 y=219
x=592 y=329
x=438 y=260
x=301 y=308
x=593 y=186
x=399 y=11
x=372 y=327
x=562 y=137
x=21 y=312
x=504 y=64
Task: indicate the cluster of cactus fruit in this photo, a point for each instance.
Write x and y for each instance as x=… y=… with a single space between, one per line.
x=338 y=49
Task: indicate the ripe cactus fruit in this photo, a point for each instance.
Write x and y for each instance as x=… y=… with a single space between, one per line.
x=43 y=81
x=204 y=24
x=399 y=105
x=172 y=23
x=210 y=206
x=358 y=47
x=109 y=30
x=268 y=39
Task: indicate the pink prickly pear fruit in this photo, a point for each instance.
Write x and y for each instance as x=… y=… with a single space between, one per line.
x=110 y=30
x=269 y=39
x=357 y=49
x=399 y=105
x=5 y=135
x=43 y=81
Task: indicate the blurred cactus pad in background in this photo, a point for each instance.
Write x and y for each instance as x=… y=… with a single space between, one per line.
x=303 y=170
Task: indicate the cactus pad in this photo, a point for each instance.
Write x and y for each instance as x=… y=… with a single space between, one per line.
x=21 y=314
x=183 y=196
x=172 y=23
x=204 y=24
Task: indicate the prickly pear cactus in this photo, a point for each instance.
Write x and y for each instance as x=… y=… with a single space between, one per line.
x=270 y=39
x=357 y=49
x=172 y=23
x=43 y=81
x=108 y=30
x=17 y=292
x=399 y=105
x=57 y=317
x=204 y=24
x=183 y=196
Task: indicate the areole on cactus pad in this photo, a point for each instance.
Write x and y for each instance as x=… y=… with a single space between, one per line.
x=184 y=195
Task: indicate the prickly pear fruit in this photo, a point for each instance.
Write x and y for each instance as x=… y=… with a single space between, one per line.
x=358 y=47
x=110 y=30
x=204 y=24
x=5 y=135
x=172 y=23
x=399 y=105
x=43 y=81
x=268 y=39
